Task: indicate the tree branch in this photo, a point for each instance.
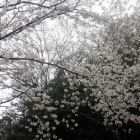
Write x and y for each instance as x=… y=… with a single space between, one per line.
x=38 y=61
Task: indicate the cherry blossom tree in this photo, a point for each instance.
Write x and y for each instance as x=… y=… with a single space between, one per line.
x=107 y=66
x=18 y=15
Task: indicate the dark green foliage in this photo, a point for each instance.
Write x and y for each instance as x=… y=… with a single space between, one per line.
x=9 y=130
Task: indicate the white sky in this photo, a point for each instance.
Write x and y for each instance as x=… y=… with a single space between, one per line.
x=3 y=94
